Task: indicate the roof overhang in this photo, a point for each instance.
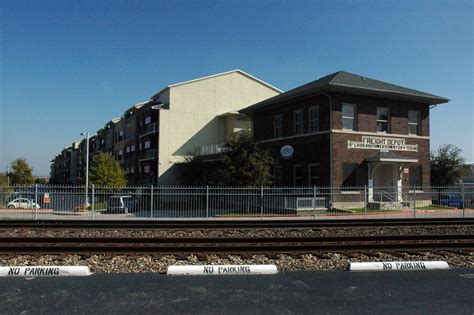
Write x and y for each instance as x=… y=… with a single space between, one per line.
x=342 y=88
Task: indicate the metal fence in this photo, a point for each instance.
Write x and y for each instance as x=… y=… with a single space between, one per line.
x=236 y=203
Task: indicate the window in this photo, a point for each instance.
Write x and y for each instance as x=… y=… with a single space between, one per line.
x=140 y=145
x=120 y=137
x=127 y=170
x=298 y=127
x=147 y=145
x=313 y=119
x=132 y=148
x=313 y=174
x=132 y=169
x=128 y=149
x=146 y=169
x=277 y=175
x=383 y=119
x=349 y=118
x=349 y=174
x=298 y=176
x=120 y=154
x=278 y=126
x=147 y=120
x=414 y=122
x=415 y=175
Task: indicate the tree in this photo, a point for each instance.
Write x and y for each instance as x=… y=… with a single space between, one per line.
x=446 y=165
x=21 y=174
x=3 y=179
x=106 y=172
x=245 y=164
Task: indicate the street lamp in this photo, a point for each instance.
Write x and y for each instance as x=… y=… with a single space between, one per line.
x=157 y=107
x=8 y=172
x=86 y=134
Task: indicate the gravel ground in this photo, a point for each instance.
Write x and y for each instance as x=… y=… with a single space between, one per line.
x=150 y=263
x=232 y=232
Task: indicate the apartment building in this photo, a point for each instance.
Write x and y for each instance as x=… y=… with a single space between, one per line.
x=184 y=119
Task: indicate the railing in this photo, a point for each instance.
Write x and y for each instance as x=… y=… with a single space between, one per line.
x=148 y=155
x=212 y=149
x=235 y=203
x=149 y=129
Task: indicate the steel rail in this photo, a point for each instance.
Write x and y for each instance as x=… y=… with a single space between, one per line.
x=216 y=224
x=201 y=246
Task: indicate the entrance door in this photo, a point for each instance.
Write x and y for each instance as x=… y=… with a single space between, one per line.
x=385 y=183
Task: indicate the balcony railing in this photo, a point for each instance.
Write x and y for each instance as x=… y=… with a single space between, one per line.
x=148 y=155
x=149 y=129
x=212 y=149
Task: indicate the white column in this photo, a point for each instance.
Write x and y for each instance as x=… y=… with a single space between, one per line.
x=370 y=184
x=399 y=183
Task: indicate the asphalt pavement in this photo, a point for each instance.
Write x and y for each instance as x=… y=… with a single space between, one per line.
x=338 y=292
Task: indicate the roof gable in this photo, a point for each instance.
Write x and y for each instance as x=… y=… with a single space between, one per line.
x=217 y=75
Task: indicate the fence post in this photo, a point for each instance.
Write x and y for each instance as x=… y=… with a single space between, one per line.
x=261 y=201
x=36 y=201
x=365 y=200
x=414 y=201
x=463 y=199
x=207 y=201
x=151 y=201
x=314 y=201
x=93 y=202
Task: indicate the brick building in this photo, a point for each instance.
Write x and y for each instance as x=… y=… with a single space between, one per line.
x=346 y=130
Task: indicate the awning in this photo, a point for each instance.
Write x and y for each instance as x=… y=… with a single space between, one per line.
x=389 y=157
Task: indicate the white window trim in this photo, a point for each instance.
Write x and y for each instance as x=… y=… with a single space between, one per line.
x=147 y=145
x=310 y=176
x=418 y=123
x=354 y=125
x=310 y=120
x=295 y=123
x=385 y=121
x=294 y=173
x=275 y=126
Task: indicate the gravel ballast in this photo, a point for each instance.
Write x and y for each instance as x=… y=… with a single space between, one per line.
x=236 y=232
x=156 y=263
x=151 y=263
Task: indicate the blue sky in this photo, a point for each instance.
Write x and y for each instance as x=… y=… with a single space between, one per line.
x=71 y=66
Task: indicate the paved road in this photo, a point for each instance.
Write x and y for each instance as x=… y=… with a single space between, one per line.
x=427 y=292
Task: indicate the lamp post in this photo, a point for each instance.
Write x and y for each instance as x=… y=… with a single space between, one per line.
x=86 y=134
x=157 y=107
x=8 y=172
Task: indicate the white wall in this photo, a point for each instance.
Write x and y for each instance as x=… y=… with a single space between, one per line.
x=191 y=120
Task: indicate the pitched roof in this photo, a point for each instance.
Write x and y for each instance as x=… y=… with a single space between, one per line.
x=350 y=83
x=217 y=75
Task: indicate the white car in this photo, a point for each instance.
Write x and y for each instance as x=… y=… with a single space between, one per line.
x=22 y=203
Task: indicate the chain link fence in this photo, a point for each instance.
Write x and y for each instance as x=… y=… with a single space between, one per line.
x=41 y=202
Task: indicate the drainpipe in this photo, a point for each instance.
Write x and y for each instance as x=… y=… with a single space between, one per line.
x=330 y=144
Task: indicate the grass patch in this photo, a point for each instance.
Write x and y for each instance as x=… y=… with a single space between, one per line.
x=435 y=207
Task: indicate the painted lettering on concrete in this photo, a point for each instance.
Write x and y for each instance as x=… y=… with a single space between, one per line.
x=382 y=143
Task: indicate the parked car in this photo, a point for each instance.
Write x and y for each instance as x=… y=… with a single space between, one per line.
x=451 y=200
x=121 y=204
x=22 y=203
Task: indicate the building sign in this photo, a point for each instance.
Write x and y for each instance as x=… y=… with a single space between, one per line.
x=380 y=143
x=287 y=151
x=46 y=198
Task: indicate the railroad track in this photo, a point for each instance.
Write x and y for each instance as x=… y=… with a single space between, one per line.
x=223 y=246
x=217 y=224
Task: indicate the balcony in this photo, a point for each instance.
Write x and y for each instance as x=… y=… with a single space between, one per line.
x=211 y=149
x=149 y=129
x=148 y=155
